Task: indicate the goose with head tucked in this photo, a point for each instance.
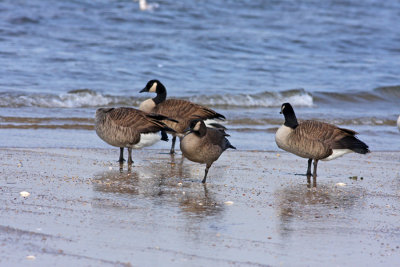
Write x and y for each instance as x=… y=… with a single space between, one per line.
x=181 y=110
x=203 y=144
x=315 y=140
x=131 y=128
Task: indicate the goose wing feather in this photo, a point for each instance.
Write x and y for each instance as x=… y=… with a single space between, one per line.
x=130 y=117
x=312 y=139
x=177 y=108
x=317 y=139
x=320 y=131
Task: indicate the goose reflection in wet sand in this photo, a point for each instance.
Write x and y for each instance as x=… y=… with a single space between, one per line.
x=158 y=181
x=200 y=202
x=298 y=205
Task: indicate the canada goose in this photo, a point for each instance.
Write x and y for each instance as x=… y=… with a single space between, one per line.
x=204 y=145
x=129 y=127
x=181 y=110
x=315 y=140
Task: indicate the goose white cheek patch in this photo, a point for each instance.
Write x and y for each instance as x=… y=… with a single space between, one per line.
x=197 y=127
x=153 y=88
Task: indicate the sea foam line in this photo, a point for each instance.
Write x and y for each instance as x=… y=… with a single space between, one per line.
x=90 y=98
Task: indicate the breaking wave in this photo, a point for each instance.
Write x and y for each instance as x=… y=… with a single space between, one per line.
x=88 y=98
x=83 y=98
x=380 y=94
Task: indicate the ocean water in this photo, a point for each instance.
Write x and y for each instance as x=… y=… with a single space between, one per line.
x=336 y=61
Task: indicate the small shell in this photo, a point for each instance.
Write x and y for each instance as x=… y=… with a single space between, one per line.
x=110 y=168
x=228 y=203
x=24 y=194
x=340 y=184
x=30 y=257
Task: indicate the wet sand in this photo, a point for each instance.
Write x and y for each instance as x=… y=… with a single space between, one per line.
x=256 y=210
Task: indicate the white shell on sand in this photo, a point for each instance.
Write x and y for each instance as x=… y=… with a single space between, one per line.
x=340 y=184
x=24 y=194
x=228 y=203
x=30 y=257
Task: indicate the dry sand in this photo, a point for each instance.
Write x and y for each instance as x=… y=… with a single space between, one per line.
x=255 y=210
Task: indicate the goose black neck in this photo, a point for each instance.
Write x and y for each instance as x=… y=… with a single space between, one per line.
x=202 y=131
x=290 y=120
x=161 y=94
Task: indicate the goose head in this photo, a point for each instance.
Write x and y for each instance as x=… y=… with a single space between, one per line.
x=290 y=116
x=154 y=86
x=197 y=126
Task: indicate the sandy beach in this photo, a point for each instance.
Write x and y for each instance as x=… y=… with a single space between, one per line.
x=64 y=199
x=256 y=210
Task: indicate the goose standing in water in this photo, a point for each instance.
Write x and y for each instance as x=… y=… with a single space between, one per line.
x=315 y=140
x=180 y=110
x=131 y=128
x=204 y=145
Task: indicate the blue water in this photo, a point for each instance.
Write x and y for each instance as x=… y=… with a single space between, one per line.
x=243 y=58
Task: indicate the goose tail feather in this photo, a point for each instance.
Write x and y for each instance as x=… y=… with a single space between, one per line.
x=352 y=143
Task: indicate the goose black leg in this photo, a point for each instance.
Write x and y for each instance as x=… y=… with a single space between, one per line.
x=130 y=161
x=309 y=167
x=121 y=155
x=172 y=151
x=309 y=173
x=315 y=173
x=205 y=173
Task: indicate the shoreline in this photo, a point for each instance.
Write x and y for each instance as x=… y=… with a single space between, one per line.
x=178 y=151
x=255 y=210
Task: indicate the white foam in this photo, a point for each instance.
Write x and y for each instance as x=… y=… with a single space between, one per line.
x=81 y=100
x=266 y=99
x=89 y=98
x=67 y=100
